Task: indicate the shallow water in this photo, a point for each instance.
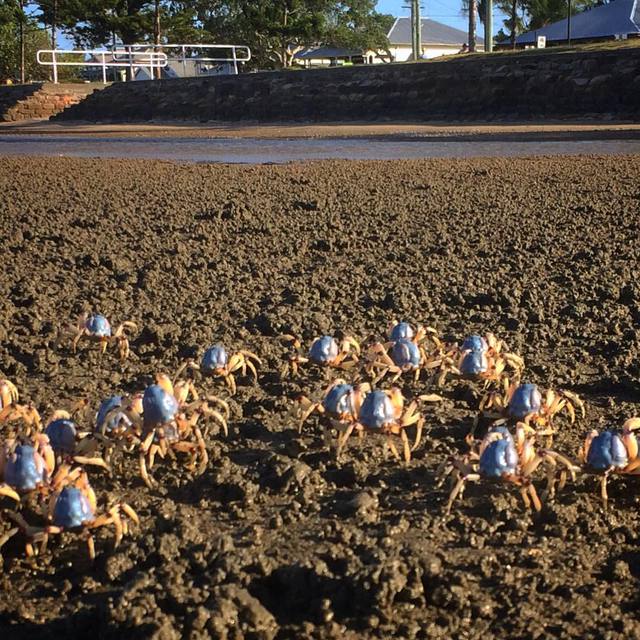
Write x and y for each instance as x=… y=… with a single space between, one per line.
x=261 y=151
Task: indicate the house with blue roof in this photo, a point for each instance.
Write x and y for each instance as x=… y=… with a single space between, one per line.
x=619 y=19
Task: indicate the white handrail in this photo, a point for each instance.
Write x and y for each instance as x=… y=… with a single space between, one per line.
x=151 y=59
x=233 y=58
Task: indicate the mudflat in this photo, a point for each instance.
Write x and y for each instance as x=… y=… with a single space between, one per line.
x=276 y=538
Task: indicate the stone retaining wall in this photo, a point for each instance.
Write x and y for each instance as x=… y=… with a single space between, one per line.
x=529 y=84
x=40 y=100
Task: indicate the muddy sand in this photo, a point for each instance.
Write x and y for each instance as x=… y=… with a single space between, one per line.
x=276 y=539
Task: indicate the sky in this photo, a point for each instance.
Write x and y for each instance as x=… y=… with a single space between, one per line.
x=445 y=11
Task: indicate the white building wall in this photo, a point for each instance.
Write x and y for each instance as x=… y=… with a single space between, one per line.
x=402 y=53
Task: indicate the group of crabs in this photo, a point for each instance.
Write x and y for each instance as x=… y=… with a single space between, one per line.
x=42 y=463
x=519 y=412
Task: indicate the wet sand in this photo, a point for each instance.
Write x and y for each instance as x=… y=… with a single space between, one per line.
x=549 y=129
x=277 y=539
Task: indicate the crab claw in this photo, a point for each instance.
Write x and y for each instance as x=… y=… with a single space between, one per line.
x=8 y=393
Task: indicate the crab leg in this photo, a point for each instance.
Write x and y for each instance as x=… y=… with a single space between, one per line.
x=459 y=488
x=416 y=442
x=342 y=439
x=6 y=490
x=392 y=448
x=534 y=497
x=96 y=462
x=144 y=447
x=231 y=383
x=7 y=536
x=407 y=449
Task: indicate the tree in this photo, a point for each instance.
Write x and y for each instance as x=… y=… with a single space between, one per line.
x=472 y=25
x=13 y=65
x=543 y=12
x=276 y=30
x=358 y=26
x=508 y=7
x=95 y=23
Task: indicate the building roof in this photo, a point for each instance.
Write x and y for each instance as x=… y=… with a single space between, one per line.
x=324 y=52
x=432 y=33
x=620 y=17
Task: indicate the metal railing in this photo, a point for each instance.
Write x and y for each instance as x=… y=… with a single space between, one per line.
x=238 y=53
x=104 y=59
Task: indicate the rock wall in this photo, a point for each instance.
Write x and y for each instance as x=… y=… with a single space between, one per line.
x=528 y=84
x=40 y=100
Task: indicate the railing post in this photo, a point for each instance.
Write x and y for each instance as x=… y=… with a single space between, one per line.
x=184 y=62
x=235 y=61
x=55 y=66
x=104 y=68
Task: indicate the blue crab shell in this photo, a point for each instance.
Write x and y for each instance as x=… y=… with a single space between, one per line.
x=526 y=399
x=62 y=435
x=405 y=354
x=158 y=406
x=401 y=331
x=24 y=471
x=102 y=424
x=474 y=343
x=323 y=350
x=473 y=363
x=97 y=325
x=72 y=509
x=377 y=410
x=339 y=401
x=214 y=358
x=607 y=450
x=500 y=456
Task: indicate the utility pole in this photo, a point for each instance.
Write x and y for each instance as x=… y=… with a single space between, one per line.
x=488 y=26
x=418 y=28
x=472 y=26
x=412 y=6
x=568 y=22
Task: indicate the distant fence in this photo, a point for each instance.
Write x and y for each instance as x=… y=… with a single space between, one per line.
x=146 y=56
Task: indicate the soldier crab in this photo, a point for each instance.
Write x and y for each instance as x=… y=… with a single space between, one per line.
x=500 y=456
x=384 y=413
x=96 y=328
x=340 y=405
x=217 y=362
x=525 y=402
x=480 y=358
x=324 y=351
x=73 y=508
x=166 y=421
x=612 y=452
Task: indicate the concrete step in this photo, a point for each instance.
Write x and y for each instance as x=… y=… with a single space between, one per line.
x=41 y=100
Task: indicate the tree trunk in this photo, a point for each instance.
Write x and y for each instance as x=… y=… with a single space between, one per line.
x=472 y=26
x=285 y=58
x=514 y=18
x=21 y=36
